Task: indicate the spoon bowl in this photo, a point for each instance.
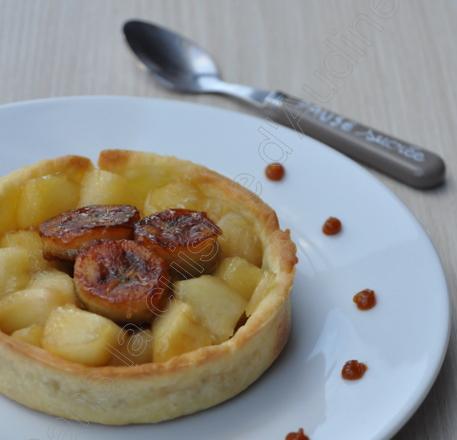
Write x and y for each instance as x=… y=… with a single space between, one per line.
x=177 y=62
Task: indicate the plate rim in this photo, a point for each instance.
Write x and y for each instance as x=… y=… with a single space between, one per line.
x=419 y=395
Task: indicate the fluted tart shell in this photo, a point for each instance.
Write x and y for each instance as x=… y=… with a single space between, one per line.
x=157 y=391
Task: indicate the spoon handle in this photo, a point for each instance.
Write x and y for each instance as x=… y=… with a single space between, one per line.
x=407 y=163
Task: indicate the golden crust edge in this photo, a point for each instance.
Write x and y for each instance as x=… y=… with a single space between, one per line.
x=270 y=318
x=63 y=164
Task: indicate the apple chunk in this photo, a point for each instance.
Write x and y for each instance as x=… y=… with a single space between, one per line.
x=266 y=284
x=217 y=306
x=240 y=275
x=8 y=204
x=56 y=280
x=177 y=331
x=26 y=307
x=32 y=334
x=44 y=197
x=239 y=239
x=15 y=269
x=29 y=241
x=104 y=188
x=80 y=336
x=173 y=195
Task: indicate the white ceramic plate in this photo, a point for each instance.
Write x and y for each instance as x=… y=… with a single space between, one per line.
x=403 y=340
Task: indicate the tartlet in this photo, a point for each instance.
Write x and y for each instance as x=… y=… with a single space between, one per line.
x=118 y=394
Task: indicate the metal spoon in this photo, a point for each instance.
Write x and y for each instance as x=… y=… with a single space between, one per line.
x=181 y=65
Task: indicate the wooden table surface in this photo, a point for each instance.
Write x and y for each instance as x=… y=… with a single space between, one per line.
x=402 y=82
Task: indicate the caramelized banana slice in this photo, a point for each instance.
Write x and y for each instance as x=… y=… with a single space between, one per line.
x=122 y=280
x=64 y=235
x=186 y=239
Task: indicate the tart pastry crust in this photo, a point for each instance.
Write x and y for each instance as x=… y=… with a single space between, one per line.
x=187 y=383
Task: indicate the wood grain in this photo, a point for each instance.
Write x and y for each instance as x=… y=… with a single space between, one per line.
x=403 y=83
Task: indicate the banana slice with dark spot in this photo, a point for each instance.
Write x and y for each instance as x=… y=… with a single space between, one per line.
x=122 y=280
x=64 y=235
x=186 y=239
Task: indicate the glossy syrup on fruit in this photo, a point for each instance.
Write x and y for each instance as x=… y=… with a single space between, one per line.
x=177 y=227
